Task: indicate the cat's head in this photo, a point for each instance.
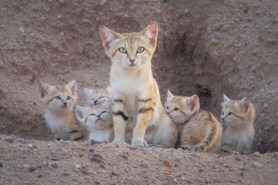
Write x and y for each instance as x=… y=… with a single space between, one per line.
x=97 y=96
x=130 y=50
x=237 y=112
x=58 y=98
x=181 y=108
x=95 y=117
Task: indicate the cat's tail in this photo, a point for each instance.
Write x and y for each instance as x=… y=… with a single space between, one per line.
x=211 y=141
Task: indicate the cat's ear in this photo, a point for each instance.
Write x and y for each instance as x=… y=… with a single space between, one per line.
x=107 y=36
x=87 y=92
x=225 y=99
x=44 y=89
x=244 y=105
x=151 y=32
x=170 y=96
x=73 y=87
x=192 y=103
x=108 y=91
x=80 y=113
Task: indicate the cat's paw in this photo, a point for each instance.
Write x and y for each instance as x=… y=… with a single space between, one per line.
x=75 y=135
x=94 y=142
x=138 y=143
x=188 y=148
x=119 y=140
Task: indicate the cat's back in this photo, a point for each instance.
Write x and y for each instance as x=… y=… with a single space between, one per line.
x=204 y=117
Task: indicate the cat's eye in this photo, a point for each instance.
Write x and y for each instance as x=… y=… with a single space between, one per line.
x=69 y=98
x=92 y=114
x=102 y=112
x=230 y=113
x=122 y=50
x=57 y=97
x=140 y=49
x=167 y=107
x=176 y=109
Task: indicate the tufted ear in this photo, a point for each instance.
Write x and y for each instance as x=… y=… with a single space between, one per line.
x=87 y=92
x=225 y=99
x=151 y=32
x=192 y=103
x=108 y=91
x=107 y=36
x=170 y=96
x=44 y=89
x=244 y=105
x=73 y=87
x=80 y=113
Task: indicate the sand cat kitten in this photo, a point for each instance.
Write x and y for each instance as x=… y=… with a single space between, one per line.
x=237 y=118
x=98 y=121
x=134 y=91
x=198 y=129
x=97 y=96
x=59 y=102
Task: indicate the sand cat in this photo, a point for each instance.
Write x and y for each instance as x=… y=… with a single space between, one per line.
x=97 y=96
x=98 y=121
x=198 y=129
x=134 y=91
x=237 y=118
x=59 y=102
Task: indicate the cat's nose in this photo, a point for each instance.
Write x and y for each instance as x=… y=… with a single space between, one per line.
x=95 y=102
x=65 y=103
x=98 y=116
x=132 y=60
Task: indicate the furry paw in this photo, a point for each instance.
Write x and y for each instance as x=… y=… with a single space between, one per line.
x=188 y=148
x=94 y=142
x=119 y=140
x=138 y=143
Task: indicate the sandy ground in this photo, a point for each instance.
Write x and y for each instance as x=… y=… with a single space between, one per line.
x=204 y=47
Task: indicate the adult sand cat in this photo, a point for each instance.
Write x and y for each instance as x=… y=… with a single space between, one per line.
x=59 y=115
x=198 y=129
x=98 y=121
x=237 y=118
x=134 y=91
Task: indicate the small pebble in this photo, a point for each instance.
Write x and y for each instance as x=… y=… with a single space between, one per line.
x=257 y=164
x=77 y=166
x=54 y=165
x=26 y=166
x=114 y=173
x=32 y=168
x=1 y=165
x=65 y=174
x=30 y=146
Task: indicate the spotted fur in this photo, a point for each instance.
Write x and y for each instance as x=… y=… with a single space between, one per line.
x=199 y=130
x=134 y=91
x=237 y=118
x=59 y=102
x=97 y=119
x=97 y=97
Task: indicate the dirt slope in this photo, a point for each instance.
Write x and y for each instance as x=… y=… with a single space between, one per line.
x=204 y=47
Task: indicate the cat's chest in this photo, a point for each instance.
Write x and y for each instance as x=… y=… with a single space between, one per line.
x=101 y=135
x=237 y=136
x=129 y=85
x=55 y=123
